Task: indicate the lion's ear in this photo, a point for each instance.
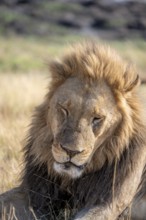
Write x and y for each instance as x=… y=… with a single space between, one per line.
x=57 y=68
x=131 y=79
x=132 y=84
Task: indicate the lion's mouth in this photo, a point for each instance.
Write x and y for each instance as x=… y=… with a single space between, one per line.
x=67 y=165
x=69 y=168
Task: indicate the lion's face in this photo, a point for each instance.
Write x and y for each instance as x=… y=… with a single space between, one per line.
x=81 y=116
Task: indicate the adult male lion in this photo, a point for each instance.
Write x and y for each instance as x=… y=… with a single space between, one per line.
x=85 y=154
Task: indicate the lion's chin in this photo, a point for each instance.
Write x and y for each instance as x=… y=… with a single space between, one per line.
x=69 y=169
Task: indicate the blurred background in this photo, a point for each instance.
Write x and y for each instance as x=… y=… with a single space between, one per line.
x=34 y=31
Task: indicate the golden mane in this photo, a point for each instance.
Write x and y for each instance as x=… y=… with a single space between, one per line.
x=92 y=61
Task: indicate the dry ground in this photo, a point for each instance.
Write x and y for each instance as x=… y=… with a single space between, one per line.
x=23 y=85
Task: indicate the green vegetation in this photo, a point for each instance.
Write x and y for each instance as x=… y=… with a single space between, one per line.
x=19 y=54
x=29 y=54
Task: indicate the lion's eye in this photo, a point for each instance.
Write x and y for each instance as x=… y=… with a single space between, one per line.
x=63 y=110
x=96 y=121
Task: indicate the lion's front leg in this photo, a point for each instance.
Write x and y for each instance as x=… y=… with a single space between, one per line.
x=112 y=210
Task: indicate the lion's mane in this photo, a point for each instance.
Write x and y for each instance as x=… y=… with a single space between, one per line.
x=50 y=194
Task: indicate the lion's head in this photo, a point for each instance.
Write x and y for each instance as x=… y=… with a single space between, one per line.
x=88 y=116
x=82 y=117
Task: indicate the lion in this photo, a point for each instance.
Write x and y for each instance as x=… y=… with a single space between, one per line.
x=85 y=154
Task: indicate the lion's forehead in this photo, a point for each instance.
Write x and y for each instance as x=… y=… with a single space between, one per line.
x=82 y=96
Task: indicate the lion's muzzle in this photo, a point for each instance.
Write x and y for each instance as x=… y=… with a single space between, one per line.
x=63 y=154
x=67 y=161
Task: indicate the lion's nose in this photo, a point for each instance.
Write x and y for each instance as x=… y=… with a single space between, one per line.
x=70 y=152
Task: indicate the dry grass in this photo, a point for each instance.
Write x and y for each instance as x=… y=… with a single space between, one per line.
x=20 y=92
